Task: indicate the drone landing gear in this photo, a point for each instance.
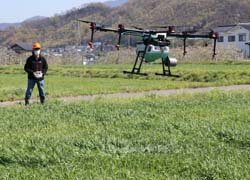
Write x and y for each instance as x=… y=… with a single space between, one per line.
x=136 y=69
x=164 y=71
x=167 y=72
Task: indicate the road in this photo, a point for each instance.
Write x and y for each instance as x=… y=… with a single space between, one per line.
x=137 y=94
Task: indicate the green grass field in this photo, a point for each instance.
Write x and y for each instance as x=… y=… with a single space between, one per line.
x=101 y=79
x=202 y=136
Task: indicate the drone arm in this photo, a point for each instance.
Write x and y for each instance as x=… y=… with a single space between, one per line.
x=92 y=35
x=188 y=35
x=184 y=51
x=119 y=42
x=84 y=21
x=106 y=30
x=214 y=49
x=132 y=34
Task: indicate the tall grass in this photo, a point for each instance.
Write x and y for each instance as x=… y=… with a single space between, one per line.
x=102 y=79
x=178 y=137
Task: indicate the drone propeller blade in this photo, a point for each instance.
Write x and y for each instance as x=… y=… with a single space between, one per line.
x=101 y=28
x=84 y=21
x=136 y=27
x=189 y=31
x=177 y=28
x=93 y=28
x=160 y=27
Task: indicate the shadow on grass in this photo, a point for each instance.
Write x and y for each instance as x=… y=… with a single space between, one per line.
x=231 y=139
x=29 y=162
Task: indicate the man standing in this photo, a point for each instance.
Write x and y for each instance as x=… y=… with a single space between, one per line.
x=36 y=66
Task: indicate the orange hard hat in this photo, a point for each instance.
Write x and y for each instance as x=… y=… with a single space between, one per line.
x=36 y=46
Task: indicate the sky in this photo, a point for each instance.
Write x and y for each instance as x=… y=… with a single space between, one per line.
x=18 y=10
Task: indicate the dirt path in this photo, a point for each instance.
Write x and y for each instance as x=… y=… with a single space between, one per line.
x=138 y=94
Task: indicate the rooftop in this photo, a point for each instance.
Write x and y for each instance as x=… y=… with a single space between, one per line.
x=225 y=28
x=21 y=47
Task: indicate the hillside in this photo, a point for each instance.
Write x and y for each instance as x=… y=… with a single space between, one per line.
x=4 y=26
x=189 y=12
x=115 y=3
x=63 y=29
x=35 y=18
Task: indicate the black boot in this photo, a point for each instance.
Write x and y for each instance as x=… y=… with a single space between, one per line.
x=42 y=99
x=26 y=102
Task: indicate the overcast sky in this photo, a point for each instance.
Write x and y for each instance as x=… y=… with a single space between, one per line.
x=19 y=10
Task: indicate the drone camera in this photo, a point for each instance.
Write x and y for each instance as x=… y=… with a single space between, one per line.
x=161 y=37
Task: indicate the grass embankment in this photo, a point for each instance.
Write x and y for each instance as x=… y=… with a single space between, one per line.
x=202 y=136
x=100 y=79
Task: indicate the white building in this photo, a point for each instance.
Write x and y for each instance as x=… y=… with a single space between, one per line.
x=237 y=35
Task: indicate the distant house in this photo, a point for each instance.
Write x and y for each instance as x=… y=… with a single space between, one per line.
x=22 y=47
x=237 y=35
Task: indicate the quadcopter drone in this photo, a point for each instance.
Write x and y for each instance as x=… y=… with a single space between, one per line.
x=155 y=44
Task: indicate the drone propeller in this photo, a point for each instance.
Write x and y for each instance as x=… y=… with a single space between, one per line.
x=85 y=21
x=92 y=27
x=187 y=34
x=160 y=26
x=138 y=28
x=178 y=28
